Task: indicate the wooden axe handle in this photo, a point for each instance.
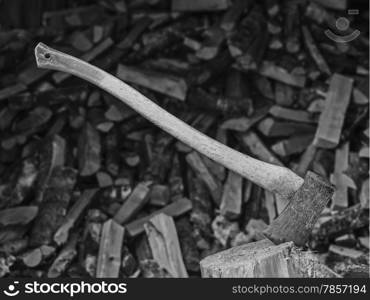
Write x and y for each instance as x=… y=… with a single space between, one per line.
x=270 y=177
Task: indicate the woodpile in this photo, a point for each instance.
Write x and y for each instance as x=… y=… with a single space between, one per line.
x=89 y=188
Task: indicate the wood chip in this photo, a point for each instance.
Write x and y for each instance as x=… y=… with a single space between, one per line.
x=247 y=190
x=109 y=257
x=224 y=230
x=20 y=215
x=136 y=31
x=164 y=245
x=212 y=43
x=35 y=119
x=14 y=246
x=364 y=241
x=359 y=97
x=277 y=73
x=284 y=94
x=80 y=41
x=292 y=34
x=255 y=228
x=231 y=201
x=62 y=234
x=105 y=126
x=258 y=148
x=346 y=240
x=316 y=106
x=55 y=202
x=174 y=209
x=364 y=194
x=104 y=179
x=243 y=124
x=291 y=114
x=293 y=145
x=198 y=166
x=36 y=256
x=114 y=114
x=332 y=118
x=7 y=115
x=138 y=198
x=341 y=181
x=364 y=152
x=22 y=182
x=306 y=160
x=169 y=85
x=242 y=42
x=132 y=159
x=270 y=205
x=52 y=156
x=89 y=151
x=273 y=128
x=64 y=258
x=159 y=195
x=314 y=51
x=11 y=233
x=215 y=168
x=346 y=252
x=72 y=17
x=265 y=87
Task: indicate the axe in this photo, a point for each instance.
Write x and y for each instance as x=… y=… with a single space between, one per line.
x=307 y=197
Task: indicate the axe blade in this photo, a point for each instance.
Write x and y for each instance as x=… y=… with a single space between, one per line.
x=296 y=221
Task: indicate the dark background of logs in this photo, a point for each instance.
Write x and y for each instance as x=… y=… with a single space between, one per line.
x=256 y=75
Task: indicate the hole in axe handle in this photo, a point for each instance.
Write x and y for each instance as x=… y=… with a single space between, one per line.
x=296 y=221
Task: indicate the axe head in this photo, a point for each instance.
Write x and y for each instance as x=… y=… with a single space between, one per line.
x=296 y=221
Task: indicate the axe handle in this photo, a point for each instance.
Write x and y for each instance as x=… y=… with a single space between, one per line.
x=270 y=177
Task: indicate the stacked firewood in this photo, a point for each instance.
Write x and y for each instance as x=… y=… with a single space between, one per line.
x=90 y=188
